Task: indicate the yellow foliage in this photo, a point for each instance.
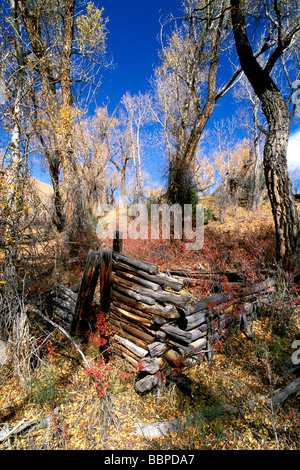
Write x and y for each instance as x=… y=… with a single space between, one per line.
x=91 y=30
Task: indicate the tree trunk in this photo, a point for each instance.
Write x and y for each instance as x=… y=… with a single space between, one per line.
x=276 y=111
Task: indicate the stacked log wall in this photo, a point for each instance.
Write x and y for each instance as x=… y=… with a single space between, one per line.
x=157 y=323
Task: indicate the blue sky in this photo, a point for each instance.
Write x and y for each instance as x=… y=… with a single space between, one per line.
x=133 y=28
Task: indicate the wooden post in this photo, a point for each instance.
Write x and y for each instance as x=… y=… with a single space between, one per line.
x=105 y=292
x=105 y=280
x=86 y=289
x=118 y=242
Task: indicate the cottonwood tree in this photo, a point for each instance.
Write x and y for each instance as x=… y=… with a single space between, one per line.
x=281 y=22
x=54 y=41
x=187 y=85
x=92 y=140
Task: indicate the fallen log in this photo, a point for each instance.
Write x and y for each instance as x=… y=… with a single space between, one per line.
x=146 y=383
x=161 y=428
x=284 y=393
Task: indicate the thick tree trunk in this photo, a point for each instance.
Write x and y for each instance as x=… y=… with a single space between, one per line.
x=278 y=117
x=277 y=179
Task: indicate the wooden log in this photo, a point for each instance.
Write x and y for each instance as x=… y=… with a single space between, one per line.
x=132 y=317
x=65 y=293
x=147 y=383
x=132 y=280
x=129 y=308
x=193 y=321
x=137 y=341
x=149 y=268
x=192 y=348
x=184 y=301
x=160 y=335
x=214 y=300
x=171 y=355
x=151 y=365
x=161 y=279
x=165 y=311
x=133 y=330
x=177 y=333
x=139 y=297
x=117 y=317
x=197 y=333
x=122 y=351
x=157 y=349
x=137 y=350
x=86 y=290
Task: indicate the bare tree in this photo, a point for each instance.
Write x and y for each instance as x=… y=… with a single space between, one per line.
x=56 y=39
x=190 y=65
x=284 y=28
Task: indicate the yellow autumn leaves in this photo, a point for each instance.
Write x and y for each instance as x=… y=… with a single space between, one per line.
x=91 y=30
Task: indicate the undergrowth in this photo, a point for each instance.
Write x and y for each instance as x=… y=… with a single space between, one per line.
x=96 y=407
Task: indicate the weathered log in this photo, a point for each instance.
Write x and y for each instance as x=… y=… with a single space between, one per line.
x=177 y=333
x=151 y=365
x=146 y=383
x=86 y=290
x=122 y=351
x=134 y=339
x=171 y=355
x=166 y=311
x=197 y=333
x=139 y=297
x=60 y=305
x=161 y=279
x=214 y=300
x=184 y=301
x=117 y=317
x=190 y=349
x=193 y=321
x=131 y=309
x=133 y=330
x=132 y=317
x=157 y=348
x=134 y=280
x=149 y=268
x=284 y=393
x=137 y=350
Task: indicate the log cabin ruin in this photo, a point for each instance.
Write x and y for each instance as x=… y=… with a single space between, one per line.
x=158 y=325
